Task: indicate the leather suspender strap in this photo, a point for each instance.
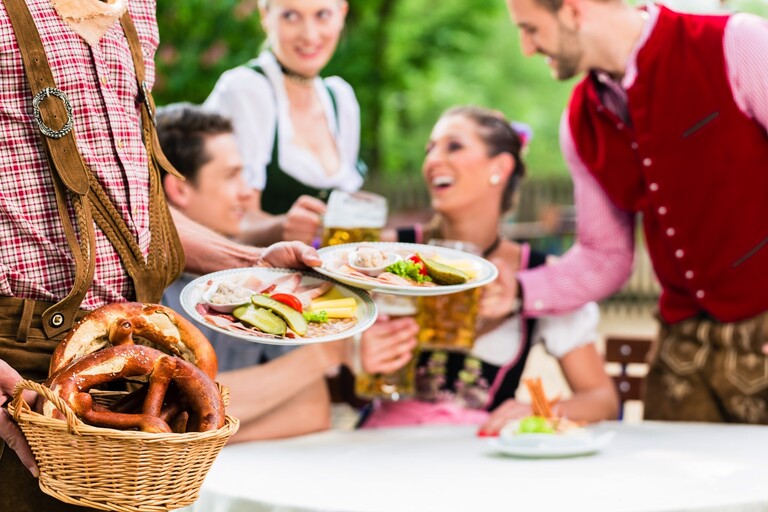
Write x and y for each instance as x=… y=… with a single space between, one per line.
x=165 y=260
x=148 y=112
x=53 y=114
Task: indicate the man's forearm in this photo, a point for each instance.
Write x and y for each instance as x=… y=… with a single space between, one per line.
x=284 y=377
x=262 y=229
x=207 y=251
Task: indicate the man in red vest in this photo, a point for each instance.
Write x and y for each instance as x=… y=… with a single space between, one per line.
x=669 y=122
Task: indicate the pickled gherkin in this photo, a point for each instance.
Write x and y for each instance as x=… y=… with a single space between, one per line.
x=443 y=274
x=263 y=319
x=293 y=318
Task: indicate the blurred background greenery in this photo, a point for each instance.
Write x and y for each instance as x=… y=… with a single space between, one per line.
x=408 y=60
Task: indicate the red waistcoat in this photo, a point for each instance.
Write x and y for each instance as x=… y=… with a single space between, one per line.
x=692 y=163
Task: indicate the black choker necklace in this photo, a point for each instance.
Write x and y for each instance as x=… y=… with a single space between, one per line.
x=296 y=77
x=492 y=247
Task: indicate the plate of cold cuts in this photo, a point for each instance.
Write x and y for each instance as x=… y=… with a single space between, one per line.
x=278 y=306
x=405 y=269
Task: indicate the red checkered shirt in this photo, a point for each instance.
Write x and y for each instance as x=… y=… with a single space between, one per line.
x=35 y=259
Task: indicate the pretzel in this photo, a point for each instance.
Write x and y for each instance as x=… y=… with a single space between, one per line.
x=197 y=393
x=132 y=322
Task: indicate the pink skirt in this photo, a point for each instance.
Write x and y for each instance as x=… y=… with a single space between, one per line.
x=414 y=412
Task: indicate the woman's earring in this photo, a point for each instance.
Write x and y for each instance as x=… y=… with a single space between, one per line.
x=495 y=179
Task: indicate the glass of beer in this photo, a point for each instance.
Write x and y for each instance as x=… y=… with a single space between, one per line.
x=401 y=383
x=448 y=322
x=353 y=217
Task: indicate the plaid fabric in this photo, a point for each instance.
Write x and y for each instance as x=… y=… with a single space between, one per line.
x=35 y=261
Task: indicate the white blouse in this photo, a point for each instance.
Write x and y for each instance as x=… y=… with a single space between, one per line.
x=256 y=104
x=560 y=334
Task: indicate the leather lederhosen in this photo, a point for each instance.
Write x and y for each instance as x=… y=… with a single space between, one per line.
x=30 y=330
x=705 y=370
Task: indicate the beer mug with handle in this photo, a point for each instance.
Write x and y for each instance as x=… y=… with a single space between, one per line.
x=353 y=217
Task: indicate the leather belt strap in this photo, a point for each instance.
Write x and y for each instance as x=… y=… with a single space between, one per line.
x=71 y=178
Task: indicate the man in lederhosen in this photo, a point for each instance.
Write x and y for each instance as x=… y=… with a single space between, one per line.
x=670 y=122
x=83 y=219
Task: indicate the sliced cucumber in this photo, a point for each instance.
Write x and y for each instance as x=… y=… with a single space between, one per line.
x=262 y=319
x=293 y=318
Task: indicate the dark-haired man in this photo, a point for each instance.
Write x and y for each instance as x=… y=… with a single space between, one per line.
x=202 y=147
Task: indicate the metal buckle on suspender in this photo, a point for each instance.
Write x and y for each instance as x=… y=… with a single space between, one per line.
x=47 y=130
x=145 y=93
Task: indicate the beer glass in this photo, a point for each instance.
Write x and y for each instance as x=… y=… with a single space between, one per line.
x=401 y=383
x=448 y=322
x=353 y=217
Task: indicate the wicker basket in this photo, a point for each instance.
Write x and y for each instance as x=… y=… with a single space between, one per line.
x=107 y=469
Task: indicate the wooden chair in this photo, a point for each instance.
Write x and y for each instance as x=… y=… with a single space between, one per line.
x=625 y=351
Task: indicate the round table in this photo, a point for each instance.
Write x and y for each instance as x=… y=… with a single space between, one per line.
x=649 y=466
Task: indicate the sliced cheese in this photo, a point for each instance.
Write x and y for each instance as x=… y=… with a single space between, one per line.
x=337 y=312
x=347 y=302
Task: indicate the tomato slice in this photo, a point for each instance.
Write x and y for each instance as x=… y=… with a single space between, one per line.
x=418 y=261
x=289 y=300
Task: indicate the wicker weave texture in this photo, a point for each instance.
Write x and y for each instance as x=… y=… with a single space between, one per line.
x=107 y=469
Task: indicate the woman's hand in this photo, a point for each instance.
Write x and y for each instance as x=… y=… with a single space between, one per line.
x=290 y=255
x=509 y=410
x=388 y=345
x=9 y=430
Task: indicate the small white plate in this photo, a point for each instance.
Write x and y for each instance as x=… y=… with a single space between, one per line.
x=334 y=256
x=192 y=295
x=548 y=446
x=373 y=271
x=222 y=307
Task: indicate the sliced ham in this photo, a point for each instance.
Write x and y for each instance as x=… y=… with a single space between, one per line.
x=252 y=283
x=306 y=293
x=390 y=278
x=219 y=321
x=346 y=269
x=284 y=284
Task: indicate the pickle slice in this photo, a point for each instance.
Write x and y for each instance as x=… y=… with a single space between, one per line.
x=293 y=318
x=262 y=319
x=444 y=274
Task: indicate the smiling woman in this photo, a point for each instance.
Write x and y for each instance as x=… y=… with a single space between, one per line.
x=472 y=167
x=299 y=134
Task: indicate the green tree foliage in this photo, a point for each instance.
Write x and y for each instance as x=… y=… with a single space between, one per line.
x=199 y=40
x=408 y=61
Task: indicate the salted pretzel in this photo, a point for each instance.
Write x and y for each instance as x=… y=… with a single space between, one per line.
x=196 y=406
x=136 y=323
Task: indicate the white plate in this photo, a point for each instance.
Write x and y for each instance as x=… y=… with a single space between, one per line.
x=192 y=295
x=485 y=271
x=548 y=446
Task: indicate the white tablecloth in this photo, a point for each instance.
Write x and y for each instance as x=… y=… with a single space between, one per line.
x=648 y=467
